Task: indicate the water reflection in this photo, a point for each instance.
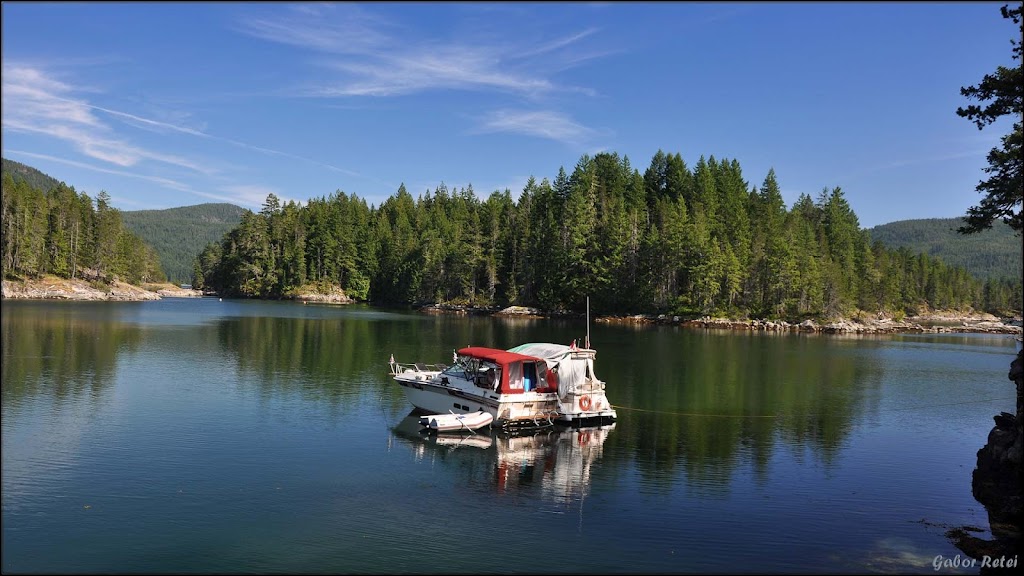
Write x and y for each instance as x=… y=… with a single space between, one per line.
x=705 y=404
x=269 y=346
x=556 y=461
x=251 y=435
x=60 y=352
x=692 y=403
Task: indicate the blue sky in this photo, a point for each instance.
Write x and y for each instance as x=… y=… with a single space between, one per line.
x=175 y=104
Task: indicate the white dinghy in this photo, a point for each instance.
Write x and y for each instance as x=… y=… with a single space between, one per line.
x=453 y=422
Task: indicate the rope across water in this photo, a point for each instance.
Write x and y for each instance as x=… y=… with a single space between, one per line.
x=700 y=414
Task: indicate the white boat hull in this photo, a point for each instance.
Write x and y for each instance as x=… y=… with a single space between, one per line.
x=505 y=409
x=436 y=398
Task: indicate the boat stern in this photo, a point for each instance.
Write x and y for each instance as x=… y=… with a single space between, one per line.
x=587 y=407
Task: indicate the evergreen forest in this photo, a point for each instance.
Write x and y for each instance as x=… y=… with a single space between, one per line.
x=992 y=253
x=674 y=239
x=63 y=232
x=178 y=234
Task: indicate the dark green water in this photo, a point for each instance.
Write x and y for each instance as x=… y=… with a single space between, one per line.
x=206 y=436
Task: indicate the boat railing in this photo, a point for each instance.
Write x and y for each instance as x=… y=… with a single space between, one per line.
x=399 y=367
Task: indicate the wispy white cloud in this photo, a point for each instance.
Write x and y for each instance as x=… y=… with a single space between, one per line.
x=442 y=68
x=340 y=29
x=193 y=132
x=372 y=57
x=37 y=103
x=29 y=93
x=541 y=123
x=147 y=122
x=556 y=44
x=371 y=61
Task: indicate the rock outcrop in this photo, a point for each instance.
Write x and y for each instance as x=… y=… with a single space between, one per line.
x=52 y=288
x=520 y=312
x=180 y=293
x=333 y=295
x=997 y=483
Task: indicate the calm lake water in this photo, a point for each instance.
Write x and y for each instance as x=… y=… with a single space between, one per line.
x=207 y=436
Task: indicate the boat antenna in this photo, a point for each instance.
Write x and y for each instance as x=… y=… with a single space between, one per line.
x=587 y=343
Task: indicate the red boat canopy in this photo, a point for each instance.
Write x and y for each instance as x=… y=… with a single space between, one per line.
x=497 y=356
x=519 y=372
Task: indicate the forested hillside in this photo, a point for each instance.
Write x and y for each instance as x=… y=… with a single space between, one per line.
x=34 y=178
x=673 y=239
x=994 y=253
x=62 y=232
x=179 y=234
x=994 y=256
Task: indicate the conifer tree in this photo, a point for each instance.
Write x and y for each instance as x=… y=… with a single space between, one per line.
x=1004 y=89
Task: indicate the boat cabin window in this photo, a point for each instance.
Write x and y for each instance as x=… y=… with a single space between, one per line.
x=488 y=375
x=523 y=376
x=515 y=376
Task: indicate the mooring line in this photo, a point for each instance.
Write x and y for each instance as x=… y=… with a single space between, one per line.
x=785 y=414
x=696 y=413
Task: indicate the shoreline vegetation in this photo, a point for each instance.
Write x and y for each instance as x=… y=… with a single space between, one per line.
x=54 y=288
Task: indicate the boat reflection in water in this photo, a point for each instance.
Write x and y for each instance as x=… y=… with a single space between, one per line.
x=558 y=459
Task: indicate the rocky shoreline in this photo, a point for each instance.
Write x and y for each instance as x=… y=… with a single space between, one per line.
x=176 y=292
x=50 y=287
x=53 y=288
x=933 y=322
x=996 y=482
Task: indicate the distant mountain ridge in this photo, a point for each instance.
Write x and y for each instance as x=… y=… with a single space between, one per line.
x=179 y=234
x=994 y=253
x=35 y=178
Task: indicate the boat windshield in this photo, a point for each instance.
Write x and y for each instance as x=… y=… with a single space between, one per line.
x=457 y=370
x=482 y=373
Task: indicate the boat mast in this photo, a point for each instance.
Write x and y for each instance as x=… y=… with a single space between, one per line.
x=588 y=323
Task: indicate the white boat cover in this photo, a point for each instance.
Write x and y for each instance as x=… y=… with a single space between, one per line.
x=572 y=372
